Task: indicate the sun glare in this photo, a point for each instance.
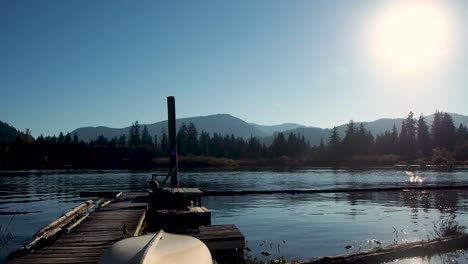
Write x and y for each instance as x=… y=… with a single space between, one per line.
x=412 y=37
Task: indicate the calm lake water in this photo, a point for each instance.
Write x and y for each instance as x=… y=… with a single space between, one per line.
x=294 y=226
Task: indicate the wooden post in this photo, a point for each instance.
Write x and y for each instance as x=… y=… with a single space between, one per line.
x=171 y=120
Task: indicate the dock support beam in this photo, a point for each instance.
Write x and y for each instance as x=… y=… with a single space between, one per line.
x=171 y=120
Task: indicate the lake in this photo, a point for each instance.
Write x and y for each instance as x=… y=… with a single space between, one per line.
x=295 y=226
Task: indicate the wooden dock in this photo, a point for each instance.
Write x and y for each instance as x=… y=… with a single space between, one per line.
x=226 y=242
x=88 y=241
x=179 y=220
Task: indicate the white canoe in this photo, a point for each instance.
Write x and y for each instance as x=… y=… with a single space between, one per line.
x=157 y=248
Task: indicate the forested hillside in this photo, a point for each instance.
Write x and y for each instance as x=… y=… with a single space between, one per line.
x=442 y=142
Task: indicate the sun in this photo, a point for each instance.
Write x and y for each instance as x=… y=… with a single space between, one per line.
x=411 y=37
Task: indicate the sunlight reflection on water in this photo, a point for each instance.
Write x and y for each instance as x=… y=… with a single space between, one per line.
x=415 y=178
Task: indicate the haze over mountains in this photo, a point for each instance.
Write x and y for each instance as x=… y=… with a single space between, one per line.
x=226 y=124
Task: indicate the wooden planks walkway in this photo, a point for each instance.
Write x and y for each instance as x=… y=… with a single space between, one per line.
x=87 y=242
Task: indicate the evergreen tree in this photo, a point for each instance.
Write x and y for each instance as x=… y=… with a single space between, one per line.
x=216 y=146
x=61 y=138
x=423 y=138
x=75 y=139
x=134 y=134
x=443 y=131
x=363 y=141
x=394 y=140
x=182 y=137
x=384 y=143
x=40 y=140
x=321 y=147
x=436 y=130
x=254 y=148
x=113 y=142
x=192 y=140
x=68 y=139
x=204 y=144
x=146 y=139
x=101 y=140
x=408 y=145
x=349 y=139
x=122 y=140
x=164 y=143
x=449 y=131
x=411 y=132
x=278 y=147
x=462 y=133
x=334 y=144
x=404 y=150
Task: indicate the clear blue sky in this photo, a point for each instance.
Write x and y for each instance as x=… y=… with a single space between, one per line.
x=68 y=64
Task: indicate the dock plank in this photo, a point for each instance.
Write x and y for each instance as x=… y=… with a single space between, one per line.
x=87 y=242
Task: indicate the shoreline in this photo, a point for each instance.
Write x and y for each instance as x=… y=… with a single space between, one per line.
x=202 y=163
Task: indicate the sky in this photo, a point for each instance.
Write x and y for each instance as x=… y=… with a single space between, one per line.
x=69 y=64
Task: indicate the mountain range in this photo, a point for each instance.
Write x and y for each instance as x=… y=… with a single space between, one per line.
x=226 y=124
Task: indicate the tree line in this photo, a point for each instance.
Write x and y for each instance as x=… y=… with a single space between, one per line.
x=416 y=142
x=442 y=143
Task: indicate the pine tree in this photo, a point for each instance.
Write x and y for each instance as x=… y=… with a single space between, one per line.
x=75 y=139
x=395 y=140
x=254 y=148
x=449 y=131
x=164 y=143
x=101 y=140
x=436 y=130
x=204 y=143
x=278 y=147
x=411 y=132
x=113 y=142
x=146 y=139
x=182 y=136
x=61 y=138
x=423 y=138
x=40 y=140
x=192 y=139
x=68 y=139
x=349 y=139
x=462 y=133
x=321 y=147
x=334 y=144
x=404 y=150
x=134 y=134
x=122 y=140
x=443 y=131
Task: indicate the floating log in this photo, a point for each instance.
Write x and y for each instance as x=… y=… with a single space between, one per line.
x=53 y=229
x=338 y=190
x=104 y=203
x=398 y=251
x=61 y=220
x=100 y=194
x=77 y=222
